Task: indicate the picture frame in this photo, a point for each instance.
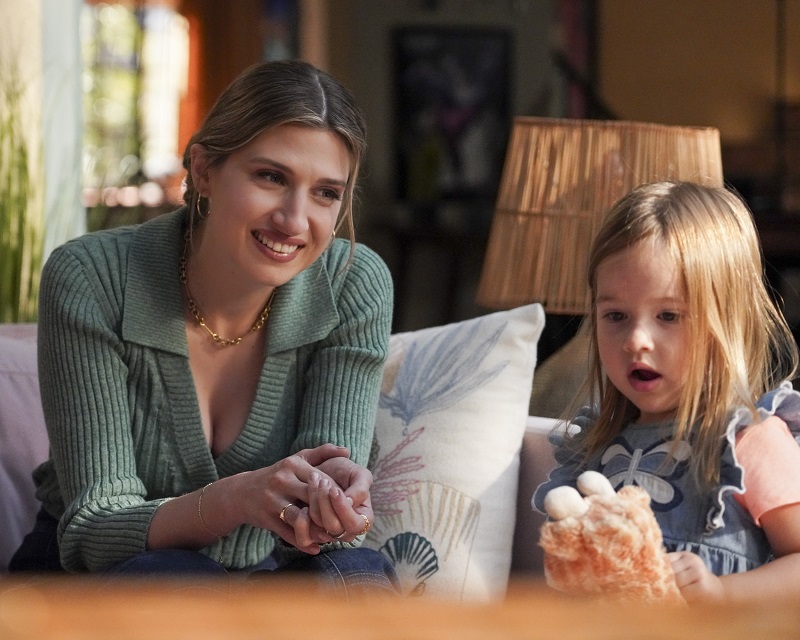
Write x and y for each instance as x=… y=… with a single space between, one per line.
x=452 y=113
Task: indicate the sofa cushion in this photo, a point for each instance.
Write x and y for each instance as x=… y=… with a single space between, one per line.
x=452 y=412
x=23 y=438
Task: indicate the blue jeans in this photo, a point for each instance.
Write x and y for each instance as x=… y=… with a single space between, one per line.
x=345 y=572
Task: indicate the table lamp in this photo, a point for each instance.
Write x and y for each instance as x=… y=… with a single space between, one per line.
x=559 y=178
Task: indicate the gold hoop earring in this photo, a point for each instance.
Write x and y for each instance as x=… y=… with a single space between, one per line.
x=200 y=214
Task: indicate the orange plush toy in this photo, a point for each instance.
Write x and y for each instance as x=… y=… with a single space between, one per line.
x=606 y=543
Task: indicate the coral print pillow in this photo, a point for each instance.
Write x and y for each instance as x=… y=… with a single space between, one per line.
x=452 y=413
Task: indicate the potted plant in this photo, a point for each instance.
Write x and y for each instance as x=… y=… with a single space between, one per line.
x=21 y=199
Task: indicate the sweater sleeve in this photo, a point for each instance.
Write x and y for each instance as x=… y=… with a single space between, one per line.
x=84 y=397
x=341 y=381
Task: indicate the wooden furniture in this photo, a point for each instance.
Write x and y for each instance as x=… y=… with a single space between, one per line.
x=90 y=609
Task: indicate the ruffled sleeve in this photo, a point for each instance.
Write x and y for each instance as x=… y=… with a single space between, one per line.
x=569 y=459
x=783 y=402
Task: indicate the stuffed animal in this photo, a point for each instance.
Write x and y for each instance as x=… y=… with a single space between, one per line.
x=606 y=544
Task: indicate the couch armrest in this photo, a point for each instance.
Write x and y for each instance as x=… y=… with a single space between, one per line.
x=536 y=462
x=23 y=437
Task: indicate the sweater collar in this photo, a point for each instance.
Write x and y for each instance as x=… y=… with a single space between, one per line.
x=304 y=309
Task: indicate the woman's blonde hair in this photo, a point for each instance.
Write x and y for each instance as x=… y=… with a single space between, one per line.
x=740 y=344
x=271 y=94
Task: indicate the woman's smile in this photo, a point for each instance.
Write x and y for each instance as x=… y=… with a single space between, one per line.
x=282 y=248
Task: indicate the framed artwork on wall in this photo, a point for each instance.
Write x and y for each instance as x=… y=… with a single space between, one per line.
x=452 y=113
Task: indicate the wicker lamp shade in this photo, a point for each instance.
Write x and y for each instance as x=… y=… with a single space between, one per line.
x=560 y=177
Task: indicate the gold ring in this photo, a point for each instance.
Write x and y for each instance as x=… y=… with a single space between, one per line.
x=367 y=525
x=282 y=515
x=339 y=537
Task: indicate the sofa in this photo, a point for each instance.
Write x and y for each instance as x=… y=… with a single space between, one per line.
x=456 y=455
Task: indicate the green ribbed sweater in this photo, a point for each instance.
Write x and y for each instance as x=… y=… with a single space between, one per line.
x=119 y=398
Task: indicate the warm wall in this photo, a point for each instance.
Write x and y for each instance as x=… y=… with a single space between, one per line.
x=697 y=62
x=359 y=33
x=440 y=275
x=226 y=39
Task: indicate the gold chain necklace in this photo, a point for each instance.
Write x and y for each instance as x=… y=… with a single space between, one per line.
x=195 y=310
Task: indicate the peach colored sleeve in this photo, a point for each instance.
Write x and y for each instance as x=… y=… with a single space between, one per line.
x=770 y=457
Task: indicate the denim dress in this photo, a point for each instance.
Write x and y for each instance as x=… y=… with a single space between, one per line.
x=708 y=522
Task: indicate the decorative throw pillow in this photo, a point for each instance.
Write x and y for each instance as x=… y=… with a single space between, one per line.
x=451 y=417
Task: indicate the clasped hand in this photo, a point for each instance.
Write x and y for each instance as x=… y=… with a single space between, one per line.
x=320 y=495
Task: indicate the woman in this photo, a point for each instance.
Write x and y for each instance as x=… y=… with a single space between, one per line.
x=210 y=378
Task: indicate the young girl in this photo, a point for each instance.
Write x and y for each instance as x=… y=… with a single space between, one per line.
x=688 y=354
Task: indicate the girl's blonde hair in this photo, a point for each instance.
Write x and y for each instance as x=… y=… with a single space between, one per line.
x=271 y=94
x=740 y=344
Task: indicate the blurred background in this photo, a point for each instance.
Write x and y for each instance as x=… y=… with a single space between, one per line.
x=108 y=93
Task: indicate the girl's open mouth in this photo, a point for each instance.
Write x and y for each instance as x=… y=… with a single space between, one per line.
x=643 y=379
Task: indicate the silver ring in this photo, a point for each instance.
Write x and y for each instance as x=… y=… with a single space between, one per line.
x=339 y=537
